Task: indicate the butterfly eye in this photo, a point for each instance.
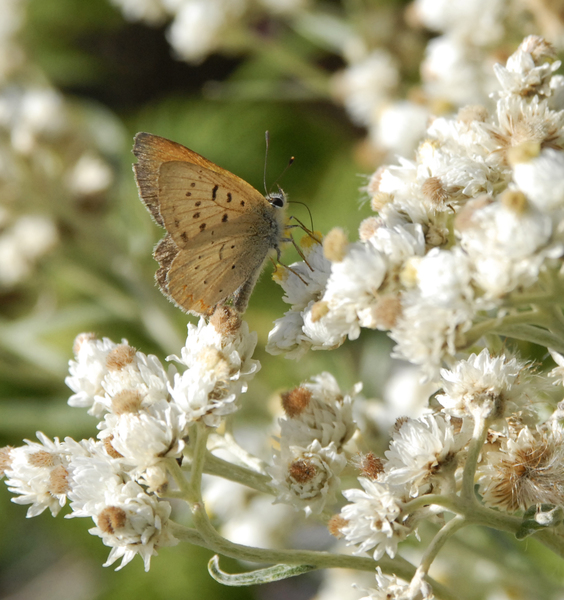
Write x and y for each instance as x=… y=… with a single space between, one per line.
x=277 y=199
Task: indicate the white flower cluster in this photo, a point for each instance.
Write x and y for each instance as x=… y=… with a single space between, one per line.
x=475 y=217
x=318 y=423
x=520 y=464
x=200 y=27
x=145 y=412
x=42 y=139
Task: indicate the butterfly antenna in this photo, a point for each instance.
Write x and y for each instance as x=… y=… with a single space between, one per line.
x=267 y=140
x=290 y=162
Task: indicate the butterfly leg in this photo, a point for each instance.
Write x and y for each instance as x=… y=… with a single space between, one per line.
x=276 y=263
x=298 y=250
x=308 y=231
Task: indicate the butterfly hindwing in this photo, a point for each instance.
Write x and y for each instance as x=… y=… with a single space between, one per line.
x=208 y=271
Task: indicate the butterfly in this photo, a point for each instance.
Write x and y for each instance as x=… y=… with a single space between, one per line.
x=219 y=228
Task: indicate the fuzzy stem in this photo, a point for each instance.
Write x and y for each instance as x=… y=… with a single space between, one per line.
x=439 y=541
x=222 y=468
x=320 y=560
x=474 y=449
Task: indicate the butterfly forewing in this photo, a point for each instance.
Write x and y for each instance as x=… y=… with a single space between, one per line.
x=195 y=200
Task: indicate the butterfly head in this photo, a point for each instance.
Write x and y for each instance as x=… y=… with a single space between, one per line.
x=277 y=199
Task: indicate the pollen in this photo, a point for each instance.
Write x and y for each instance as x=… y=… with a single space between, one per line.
x=41 y=459
x=226 y=321
x=5 y=459
x=335 y=245
x=515 y=200
x=280 y=274
x=81 y=339
x=111 y=519
x=295 y=401
x=387 y=311
x=368 y=228
x=110 y=450
x=311 y=240
x=58 y=481
x=335 y=526
x=319 y=310
x=370 y=465
x=121 y=356
x=523 y=152
x=126 y=401
x=434 y=190
x=302 y=471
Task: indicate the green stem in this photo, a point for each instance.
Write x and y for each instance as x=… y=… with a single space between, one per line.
x=321 y=560
x=439 y=541
x=198 y=440
x=474 y=449
x=222 y=468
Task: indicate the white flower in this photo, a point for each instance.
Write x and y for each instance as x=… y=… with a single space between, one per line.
x=507 y=247
x=199 y=25
x=31 y=113
x=443 y=277
x=366 y=85
x=399 y=243
x=318 y=411
x=219 y=367
x=89 y=175
x=476 y=22
x=426 y=333
x=22 y=245
x=522 y=120
x=92 y=473
x=146 y=436
x=132 y=522
x=38 y=473
x=527 y=469
x=286 y=337
x=102 y=370
x=307 y=477
x=454 y=72
x=423 y=453
x=483 y=385
x=542 y=179
x=401 y=127
x=301 y=283
x=392 y=588
x=529 y=69
x=352 y=290
x=298 y=330
x=149 y=11
x=373 y=519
